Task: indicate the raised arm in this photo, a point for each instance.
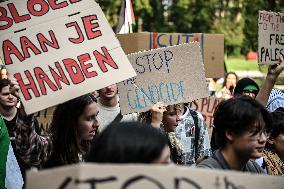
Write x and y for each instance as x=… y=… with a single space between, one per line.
x=269 y=82
x=157 y=114
x=31 y=147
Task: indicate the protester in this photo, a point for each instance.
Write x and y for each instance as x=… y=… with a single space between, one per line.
x=3 y=73
x=165 y=118
x=275 y=100
x=211 y=82
x=261 y=95
x=10 y=173
x=270 y=80
x=246 y=86
x=229 y=84
x=193 y=135
x=10 y=112
x=130 y=142
x=185 y=128
x=272 y=161
x=73 y=127
x=242 y=126
x=109 y=108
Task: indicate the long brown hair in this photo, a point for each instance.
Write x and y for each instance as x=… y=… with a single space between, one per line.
x=64 y=129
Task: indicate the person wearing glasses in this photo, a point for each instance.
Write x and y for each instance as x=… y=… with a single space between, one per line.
x=242 y=127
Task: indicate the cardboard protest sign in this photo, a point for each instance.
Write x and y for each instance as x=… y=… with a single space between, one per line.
x=44 y=118
x=17 y=15
x=212 y=46
x=171 y=75
x=270 y=37
x=62 y=57
x=206 y=106
x=126 y=176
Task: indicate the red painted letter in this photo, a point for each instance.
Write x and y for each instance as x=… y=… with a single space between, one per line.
x=25 y=87
x=74 y=1
x=4 y=18
x=89 y=27
x=73 y=70
x=42 y=78
x=43 y=41
x=44 y=8
x=55 y=5
x=27 y=44
x=105 y=58
x=58 y=77
x=80 y=37
x=8 y=49
x=82 y=59
x=17 y=18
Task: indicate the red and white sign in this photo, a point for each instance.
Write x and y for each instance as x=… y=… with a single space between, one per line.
x=61 y=50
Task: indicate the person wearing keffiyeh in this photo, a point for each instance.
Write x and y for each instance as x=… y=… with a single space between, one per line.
x=273 y=155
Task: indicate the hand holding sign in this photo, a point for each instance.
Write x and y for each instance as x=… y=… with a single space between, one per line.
x=157 y=114
x=14 y=87
x=275 y=70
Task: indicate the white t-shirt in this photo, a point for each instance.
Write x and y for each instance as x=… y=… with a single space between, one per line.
x=108 y=114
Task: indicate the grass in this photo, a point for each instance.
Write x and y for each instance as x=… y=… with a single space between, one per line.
x=240 y=64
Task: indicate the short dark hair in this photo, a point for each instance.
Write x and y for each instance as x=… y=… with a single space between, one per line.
x=277 y=123
x=277 y=126
x=4 y=83
x=238 y=115
x=128 y=142
x=242 y=83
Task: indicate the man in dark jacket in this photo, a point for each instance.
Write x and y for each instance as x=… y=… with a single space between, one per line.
x=242 y=126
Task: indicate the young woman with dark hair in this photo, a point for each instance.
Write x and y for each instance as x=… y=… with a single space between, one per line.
x=130 y=142
x=73 y=127
x=229 y=85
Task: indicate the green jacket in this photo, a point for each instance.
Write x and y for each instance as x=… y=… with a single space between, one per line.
x=4 y=146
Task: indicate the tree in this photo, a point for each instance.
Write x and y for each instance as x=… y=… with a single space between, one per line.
x=192 y=16
x=229 y=21
x=250 y=14
x=111 y=9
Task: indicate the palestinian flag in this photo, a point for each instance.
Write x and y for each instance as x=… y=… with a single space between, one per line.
x=10 y=173
x=126 y=18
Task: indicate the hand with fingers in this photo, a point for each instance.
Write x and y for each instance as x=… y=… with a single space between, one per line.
x=14 y=87
x=275 y=70
x=270 y=80
x=157 y=114
x=15 y=90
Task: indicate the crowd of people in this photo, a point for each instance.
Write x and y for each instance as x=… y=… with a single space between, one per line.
x=248 y=131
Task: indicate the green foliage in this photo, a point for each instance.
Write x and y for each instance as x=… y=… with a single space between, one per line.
x=111 y=9
x=192 y=16
x=250 y=15
x=236 y=19
x=232 y=32
x=204 y=15
x=153 y=17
